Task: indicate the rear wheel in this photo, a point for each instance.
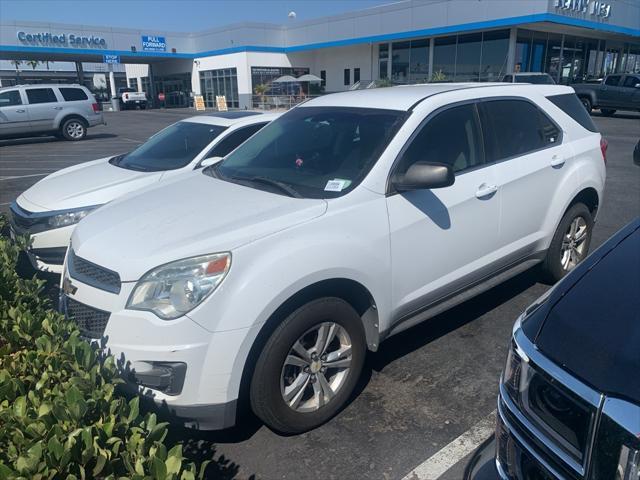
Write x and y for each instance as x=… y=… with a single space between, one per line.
x=309 y=366
x=586 y=102
x=73 y=129
x=570 y=243
x=607 y=112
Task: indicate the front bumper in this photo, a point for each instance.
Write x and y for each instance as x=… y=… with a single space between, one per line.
x=144 y=344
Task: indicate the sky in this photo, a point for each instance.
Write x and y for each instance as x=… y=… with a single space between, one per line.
x=175 y=15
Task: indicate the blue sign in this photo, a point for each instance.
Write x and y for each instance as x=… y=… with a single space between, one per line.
x=151 y=43
x=111 y=59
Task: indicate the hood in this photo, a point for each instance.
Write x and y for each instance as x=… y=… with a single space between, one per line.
x=191 y=215
x=593 y=328
x=86 y=184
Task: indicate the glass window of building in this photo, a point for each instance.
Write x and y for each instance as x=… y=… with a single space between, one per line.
x=267 y=75
x=444 y=59
x=400 y=59
x=383 y=59
x=419 y=63
x=468 y=52
x=356 y=75
x=222 y=82
x=553 y=60
x=495 y=47
x=347 y=76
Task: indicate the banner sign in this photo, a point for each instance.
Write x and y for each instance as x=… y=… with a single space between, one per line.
x=221 y=103
x=198 y=101
x=153 y=43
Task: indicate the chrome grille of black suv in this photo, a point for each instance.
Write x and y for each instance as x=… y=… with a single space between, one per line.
x=91 y=321
x=92 y=274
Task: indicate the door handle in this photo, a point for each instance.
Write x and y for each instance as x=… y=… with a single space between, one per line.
x=20 y=111
x=485 y=190
x=557 y=161
x=57 y=108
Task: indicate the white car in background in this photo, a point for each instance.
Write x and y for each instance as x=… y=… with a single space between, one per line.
x=266 y=277
x=50 y=209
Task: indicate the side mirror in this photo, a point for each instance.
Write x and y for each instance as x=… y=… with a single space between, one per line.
x=208 y=161
x=425 y=175
x=637 y=85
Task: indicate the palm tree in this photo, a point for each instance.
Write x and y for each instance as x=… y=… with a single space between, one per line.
x=261 y=90
x=33 y=63
x=17 y=63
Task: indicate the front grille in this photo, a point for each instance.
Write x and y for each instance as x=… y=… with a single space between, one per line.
x=51 y=255
x=92 y=274
x=90 y=321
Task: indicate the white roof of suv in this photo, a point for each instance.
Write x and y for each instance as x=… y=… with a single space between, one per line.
x=406 y=96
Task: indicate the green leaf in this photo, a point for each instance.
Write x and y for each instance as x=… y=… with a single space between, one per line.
x=174 y=460
x=44 y=409
x=158 y=469
x=100 y=463
x=20 y=407
x=134 y=409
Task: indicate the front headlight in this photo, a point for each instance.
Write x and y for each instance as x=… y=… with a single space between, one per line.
x=176 y=288
x=69 y=217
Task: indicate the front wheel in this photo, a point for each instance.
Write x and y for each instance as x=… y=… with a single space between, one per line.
x=586 y=103
x=607 y=112
x=73 y=129
x=309 y=366
x=570 y=243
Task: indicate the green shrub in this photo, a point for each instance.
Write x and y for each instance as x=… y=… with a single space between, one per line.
x=60 y=416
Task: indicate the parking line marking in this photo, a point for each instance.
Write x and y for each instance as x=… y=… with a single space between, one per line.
x=25 y=176
x=438 y=464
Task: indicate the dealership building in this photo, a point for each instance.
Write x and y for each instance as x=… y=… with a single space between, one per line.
x=413 y=41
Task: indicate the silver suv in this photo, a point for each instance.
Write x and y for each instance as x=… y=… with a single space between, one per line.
x=61 y=110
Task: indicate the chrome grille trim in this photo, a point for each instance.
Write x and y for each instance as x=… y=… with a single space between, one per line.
x=92 y=274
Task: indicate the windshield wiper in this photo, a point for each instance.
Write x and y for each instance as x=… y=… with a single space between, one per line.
x=274 y=183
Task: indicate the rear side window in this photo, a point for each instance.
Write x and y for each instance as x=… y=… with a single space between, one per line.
x=12 y=97
x=631 y=81
x=570 y=104
x=41 y=95
x=231 y=141
x=514 y=128
x=451 y=137
x=73 y=94
x=612 y=80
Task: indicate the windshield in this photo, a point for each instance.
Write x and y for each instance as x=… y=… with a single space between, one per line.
x=313 y=152
x=171 y=148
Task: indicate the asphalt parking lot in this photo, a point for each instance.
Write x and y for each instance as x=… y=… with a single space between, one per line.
x=422 y=390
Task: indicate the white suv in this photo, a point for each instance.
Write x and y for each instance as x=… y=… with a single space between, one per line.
x=352 y=217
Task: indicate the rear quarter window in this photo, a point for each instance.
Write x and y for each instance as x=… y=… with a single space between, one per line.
x=571 y=105
x=73 y=94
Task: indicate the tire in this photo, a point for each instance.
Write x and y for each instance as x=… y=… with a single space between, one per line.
x=273 y=379
x=73 y=129
x=607 y=112
x=586 y=103
x=558 y=262
x=143 y=107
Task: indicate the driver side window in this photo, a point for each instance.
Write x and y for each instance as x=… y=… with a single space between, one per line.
x=233 y=140
x=451 y=137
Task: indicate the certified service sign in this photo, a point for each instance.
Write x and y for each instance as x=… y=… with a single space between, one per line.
x=151 y=43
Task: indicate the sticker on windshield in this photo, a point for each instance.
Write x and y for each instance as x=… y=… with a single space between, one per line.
x=336 y=185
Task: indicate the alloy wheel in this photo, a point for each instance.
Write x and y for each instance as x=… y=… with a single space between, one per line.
x=75 y=129
x=316 y=367
x=572 y=250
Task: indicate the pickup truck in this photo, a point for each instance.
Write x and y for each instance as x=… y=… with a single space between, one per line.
x=615 y=92
x=129 y=98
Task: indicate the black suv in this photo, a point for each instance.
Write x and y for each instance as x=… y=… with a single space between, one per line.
x=569 y=403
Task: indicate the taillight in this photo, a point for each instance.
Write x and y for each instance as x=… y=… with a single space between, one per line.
x=603 y=148
x=96 y=107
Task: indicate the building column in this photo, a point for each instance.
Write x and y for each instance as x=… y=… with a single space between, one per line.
x=511 y=53
x=432 y=49
x=139 y=83
x=390 y=61
x=80 y=73
x=115 y=104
